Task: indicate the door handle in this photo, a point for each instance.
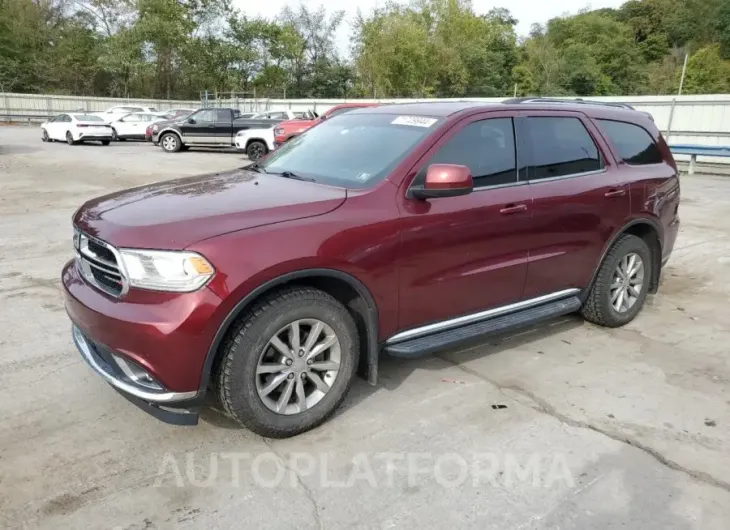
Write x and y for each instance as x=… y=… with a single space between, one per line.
x=513 y=208
x=620 y=192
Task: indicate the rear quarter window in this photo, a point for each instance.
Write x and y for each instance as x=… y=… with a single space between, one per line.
x=633 y=144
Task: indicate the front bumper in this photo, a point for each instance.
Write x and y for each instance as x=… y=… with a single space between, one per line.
x=148 y=400
x=167 y=335
x=240 y=143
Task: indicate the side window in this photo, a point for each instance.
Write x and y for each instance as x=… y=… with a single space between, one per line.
x=561 y=146
x=277 y=116
x=486 y=147
x=632 y=143
x=66 y=118
x=223 y=115
x=205 y=116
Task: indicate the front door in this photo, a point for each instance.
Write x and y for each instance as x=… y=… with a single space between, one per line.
x=578 y=200
x=200 y=127
x=462 y=255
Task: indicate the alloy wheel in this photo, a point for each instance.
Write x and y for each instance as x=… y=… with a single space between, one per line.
x=298 y=366
x=627 y=282
x=169 y=143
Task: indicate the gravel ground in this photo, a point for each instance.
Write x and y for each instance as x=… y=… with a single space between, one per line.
x=567 y=426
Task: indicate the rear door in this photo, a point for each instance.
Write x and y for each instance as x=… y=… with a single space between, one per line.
x=223 y=127
x=578 y=199
x=462 y=255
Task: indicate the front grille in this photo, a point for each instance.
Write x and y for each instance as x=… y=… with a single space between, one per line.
x=100 y=265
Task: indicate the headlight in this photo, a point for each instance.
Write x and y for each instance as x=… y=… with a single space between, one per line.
x=155 y=127
x=240 y=133
x=175 y=271
x=278 y=131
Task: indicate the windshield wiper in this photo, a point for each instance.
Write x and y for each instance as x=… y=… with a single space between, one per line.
x=290 y=175
x=256 y=167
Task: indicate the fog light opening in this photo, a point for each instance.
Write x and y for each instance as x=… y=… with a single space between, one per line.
x=136 y=374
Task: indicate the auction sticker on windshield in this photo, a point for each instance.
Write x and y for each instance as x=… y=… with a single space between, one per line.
x=414 y=121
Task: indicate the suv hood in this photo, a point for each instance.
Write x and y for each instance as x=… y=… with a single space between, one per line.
x=175 y=214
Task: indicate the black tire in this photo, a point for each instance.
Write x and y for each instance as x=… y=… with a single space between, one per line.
x=105 y=142
x=170 y=143
x=598 y=307
x=115 y=136
x=236 y=373
x=256 y=149
x=44 y=136
x=70 y=139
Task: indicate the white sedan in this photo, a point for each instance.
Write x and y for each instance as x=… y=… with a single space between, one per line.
x=76 y=128
x=133 y=126
x=115 y=113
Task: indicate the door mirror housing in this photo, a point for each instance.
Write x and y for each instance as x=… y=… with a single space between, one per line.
x=191 y=120
x=444 y=180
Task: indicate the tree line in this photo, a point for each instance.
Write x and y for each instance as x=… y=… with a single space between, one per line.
x=177 y=49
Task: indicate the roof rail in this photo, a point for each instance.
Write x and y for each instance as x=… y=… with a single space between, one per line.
x=579 y=101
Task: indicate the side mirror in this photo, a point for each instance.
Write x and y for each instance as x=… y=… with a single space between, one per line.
x=444 y=180
x=191 y=120
x=323 y=117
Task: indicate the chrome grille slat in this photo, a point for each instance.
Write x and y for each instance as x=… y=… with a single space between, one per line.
x=95 y=262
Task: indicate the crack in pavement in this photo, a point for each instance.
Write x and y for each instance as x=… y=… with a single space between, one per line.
x=307 y=491
x=540 y=405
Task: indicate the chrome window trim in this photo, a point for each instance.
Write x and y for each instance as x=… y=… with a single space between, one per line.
x=477 y=317
x=571 y=176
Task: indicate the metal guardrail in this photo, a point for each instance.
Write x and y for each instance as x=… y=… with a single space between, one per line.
x=699 y=150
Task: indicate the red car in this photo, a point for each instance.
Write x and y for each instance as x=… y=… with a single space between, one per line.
x=400 y=229
x=287 y=130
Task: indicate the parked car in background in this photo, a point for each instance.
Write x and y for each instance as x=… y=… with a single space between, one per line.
x=403 y=229
x=287 y=130
x=133 y=126
x=114 y=113
x=74 y=128
x=286 y=115
x=256 y=142
x=207 y=127
x=172 y=114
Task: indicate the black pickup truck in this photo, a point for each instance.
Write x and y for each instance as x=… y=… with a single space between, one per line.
x=207 y=127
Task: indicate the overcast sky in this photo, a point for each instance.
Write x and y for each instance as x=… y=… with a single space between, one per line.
x=526 y=11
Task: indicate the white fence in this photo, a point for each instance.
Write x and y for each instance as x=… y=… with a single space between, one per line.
x=701 y=120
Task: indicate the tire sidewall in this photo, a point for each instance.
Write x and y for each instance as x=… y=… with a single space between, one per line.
x=252 y=150
x=628 y=246
x=244 y=399
x=69 y=138
x=44 y=136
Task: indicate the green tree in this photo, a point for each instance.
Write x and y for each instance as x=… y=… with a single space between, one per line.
x=707 y=72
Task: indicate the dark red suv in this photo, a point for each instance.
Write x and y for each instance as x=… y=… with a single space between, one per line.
x=402 y=229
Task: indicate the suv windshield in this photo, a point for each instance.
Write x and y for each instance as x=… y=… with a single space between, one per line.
x=352 y=150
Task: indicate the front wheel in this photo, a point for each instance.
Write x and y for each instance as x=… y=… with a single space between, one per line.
x=256 y=150
x=105 y=142
x=44 y=136
x=289 y=364
x=170 y=143
x=622 y=284
x=70 y=139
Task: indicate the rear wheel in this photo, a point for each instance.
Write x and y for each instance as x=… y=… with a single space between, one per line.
x=170 y=143
x=69 y=138
x=622 y=283
x=289 y=364
x=105 y=142
x=256 y=150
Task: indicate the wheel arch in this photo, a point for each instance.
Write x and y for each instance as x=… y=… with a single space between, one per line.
x=170 y=130
x=650 y=231
x=347 y=289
